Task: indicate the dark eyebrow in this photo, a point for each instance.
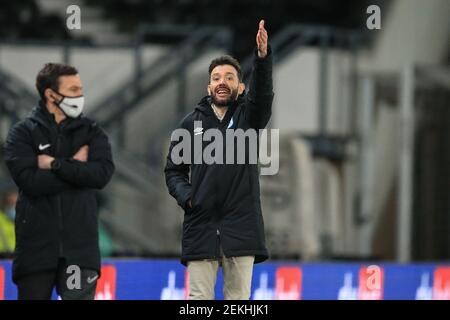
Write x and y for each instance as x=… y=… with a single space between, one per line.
x=215 y=74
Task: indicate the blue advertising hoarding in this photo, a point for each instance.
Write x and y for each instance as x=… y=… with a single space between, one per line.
x=167 y=280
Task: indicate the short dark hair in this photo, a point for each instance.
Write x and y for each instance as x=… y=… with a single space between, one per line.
x=49 y=75
x=223 y=60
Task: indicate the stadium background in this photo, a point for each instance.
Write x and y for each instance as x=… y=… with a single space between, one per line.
x=364 y=181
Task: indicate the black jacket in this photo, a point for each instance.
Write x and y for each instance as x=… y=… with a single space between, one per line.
x=56 y=212
x=226 y=208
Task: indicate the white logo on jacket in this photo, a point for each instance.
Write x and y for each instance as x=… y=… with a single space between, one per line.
x=43 y=147
x=198 y=130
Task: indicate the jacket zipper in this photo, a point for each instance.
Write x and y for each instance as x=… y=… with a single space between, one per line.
x=218 y=244
x=59 y=203
x=220 y=124
x=217 y=251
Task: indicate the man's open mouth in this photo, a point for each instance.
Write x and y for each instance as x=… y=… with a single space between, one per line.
x=222 y=91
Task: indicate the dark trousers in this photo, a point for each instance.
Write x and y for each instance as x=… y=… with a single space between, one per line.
x=70 y=284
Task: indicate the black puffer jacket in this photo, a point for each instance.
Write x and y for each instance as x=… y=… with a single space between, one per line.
x=56 y=213
x=226 y=208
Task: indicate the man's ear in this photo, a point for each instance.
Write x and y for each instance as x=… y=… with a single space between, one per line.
x=49 y=95
x=209 y=89
x=241 y=88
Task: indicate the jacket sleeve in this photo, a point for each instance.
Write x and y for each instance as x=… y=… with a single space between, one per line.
x=21 y=160
x=177 y=178
x=258 y=106
x=97 y=171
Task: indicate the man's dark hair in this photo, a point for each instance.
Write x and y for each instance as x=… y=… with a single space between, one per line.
x=222 y=60
x=49 y=75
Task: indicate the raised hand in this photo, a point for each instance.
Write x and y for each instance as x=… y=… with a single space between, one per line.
x=261 y=40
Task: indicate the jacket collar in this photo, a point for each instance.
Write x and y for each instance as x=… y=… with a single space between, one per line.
x=205 y=105
x=40 y=114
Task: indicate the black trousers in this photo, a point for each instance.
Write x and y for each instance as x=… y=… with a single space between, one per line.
x=71 y=282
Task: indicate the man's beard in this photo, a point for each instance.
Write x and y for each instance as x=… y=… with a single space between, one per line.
x=219 y=102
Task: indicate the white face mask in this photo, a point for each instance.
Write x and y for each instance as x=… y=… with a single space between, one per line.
x=71 y=106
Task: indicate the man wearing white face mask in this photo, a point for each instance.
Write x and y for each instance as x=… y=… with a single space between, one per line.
x=57 y=158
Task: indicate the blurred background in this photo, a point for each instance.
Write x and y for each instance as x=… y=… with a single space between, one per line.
x=364 y=116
